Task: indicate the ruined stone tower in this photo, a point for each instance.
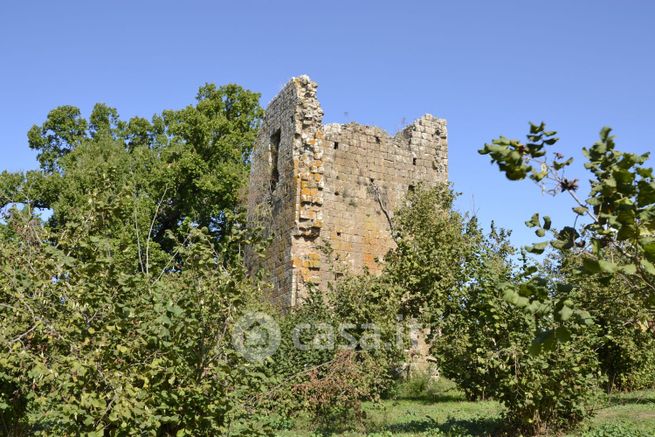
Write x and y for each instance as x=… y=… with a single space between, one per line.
x=312 y=184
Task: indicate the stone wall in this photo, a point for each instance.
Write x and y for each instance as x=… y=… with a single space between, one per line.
x=338 y=184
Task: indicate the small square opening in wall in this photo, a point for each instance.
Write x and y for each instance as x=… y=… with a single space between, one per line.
x=336 y=145
x=413 y=161
x=377 y=139
x=338 y=233
x=411 y=188
x=336 y=193
x=372 y=180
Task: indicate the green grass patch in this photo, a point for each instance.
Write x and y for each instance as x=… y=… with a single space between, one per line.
x=625 y=414
x=429 y=408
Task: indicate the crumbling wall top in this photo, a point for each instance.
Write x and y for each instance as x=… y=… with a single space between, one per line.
x=334 y=183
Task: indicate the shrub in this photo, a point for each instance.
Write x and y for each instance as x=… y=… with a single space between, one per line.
x=425 y=386
x=87 y=348
x=555 y=390
x=338 y=348
x=626 y=341
x=484 y=341
x=333 y=393
x=551 y=390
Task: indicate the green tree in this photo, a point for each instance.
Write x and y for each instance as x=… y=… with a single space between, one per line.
x=626 y=341
x=609 y=245
x=480 y=333
x=189 y=164
x=88 y=347
x=117 y=310
x=434 y=246
x=464 y=285
x=619 y=209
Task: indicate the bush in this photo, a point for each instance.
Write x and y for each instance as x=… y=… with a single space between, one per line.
x=479 y=336
x=333 y=393
x=485 y=336
x=87 y=348
x=552 y=391
x=626 y=341
x=338 y=348
x=489 y=357
x=424 y=386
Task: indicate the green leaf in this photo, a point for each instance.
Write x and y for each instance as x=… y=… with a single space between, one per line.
x=646 y=195
x=535 y=129
x=537 y=248
x=551 y=141
x=628 y=269
x=545 y=341
x=580 y=210
x=565 y=238
x=560 y=165
x=565 y=313
x=648 y=245
x=607 y=266
x=590 y=265
x=648 y=266
x=534 y=221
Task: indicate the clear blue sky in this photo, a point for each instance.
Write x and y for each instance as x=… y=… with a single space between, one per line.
x=489 y=67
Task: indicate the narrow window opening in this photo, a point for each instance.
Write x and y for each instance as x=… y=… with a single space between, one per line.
x=336 y=145
x=413 y=161
x=338 y=234
x=336 y=193
x=274 y=148
x=377 y=139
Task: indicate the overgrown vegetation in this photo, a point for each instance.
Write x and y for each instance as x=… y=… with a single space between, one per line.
x=122 y=290
x=442 y=410
x=117 y=310
x=580 y=300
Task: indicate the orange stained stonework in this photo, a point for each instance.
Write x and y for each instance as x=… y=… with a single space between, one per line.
x=313 y=185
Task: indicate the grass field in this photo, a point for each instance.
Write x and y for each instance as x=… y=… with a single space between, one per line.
x=443 y=411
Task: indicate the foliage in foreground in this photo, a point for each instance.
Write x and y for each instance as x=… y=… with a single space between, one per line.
x=482 y=340
x=610 y=244
x=117 y=311
x=338 y=349
x=616 y=217
x=626 y=340
x=88 y=348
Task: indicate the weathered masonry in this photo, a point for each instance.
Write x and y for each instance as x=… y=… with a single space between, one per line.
x=313 y=184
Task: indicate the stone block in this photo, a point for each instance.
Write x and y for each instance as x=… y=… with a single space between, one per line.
x=324 y=194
